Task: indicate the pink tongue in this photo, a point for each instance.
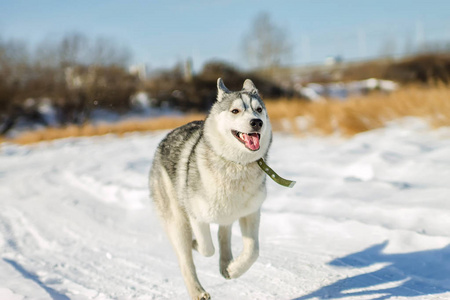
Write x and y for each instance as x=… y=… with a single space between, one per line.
x=251 y=141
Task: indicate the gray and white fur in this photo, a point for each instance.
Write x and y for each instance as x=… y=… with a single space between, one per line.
x=206 y=172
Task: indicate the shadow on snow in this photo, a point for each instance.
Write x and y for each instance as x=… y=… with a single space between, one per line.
x=405 y=275
x=55 y=295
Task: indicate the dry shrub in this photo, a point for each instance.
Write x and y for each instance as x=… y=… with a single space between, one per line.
x=364 y=113
x=348 y=117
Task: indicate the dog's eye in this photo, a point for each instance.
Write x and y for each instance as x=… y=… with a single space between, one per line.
x=259 y=110
x=235 y=111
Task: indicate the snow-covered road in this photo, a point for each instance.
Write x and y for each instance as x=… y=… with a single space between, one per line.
x=369 y=218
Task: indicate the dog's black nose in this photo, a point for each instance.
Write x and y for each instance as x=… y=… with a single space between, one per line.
x=256 y=124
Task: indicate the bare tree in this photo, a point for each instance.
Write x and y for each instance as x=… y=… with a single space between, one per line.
x=266 y=45
x=13 y=59
x=106 y=52
x=74 y=49
x=73 y=70
x=71 y=48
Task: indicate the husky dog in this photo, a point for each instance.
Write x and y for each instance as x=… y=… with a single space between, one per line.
x=206 y=172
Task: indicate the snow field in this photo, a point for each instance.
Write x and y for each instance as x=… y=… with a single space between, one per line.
x=369 y=218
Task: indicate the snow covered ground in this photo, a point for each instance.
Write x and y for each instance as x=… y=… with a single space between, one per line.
x=369 y=218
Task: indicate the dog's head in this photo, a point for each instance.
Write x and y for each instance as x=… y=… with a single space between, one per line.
x=238 y=125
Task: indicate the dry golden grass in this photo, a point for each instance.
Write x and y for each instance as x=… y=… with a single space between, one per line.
x=121 y=128
x=348 y=117
x=364 y=113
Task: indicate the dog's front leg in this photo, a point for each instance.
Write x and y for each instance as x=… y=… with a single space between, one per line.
x=226 y=256
x=180 y=234
x=202 y=233
x=249 y=228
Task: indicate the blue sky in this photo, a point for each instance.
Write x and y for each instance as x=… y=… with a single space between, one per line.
x=161 y=33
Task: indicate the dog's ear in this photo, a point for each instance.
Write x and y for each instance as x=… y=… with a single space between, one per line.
x=221 y=89
x=250 y=87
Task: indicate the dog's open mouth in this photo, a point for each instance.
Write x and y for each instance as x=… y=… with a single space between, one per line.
x=250 y=140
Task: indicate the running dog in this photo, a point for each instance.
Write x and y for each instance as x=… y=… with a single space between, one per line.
x=207 y=172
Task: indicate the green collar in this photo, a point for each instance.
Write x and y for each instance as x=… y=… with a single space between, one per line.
x=275 y=177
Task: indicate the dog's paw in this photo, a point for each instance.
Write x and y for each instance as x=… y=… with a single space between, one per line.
x=195 y=245
x=204 y=296
x=207 y=252
x=224 y=265
x=233 y=270
x=229 y=271
x=224 y=272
